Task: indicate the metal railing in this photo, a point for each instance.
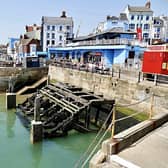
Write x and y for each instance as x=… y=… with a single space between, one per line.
x=122 y=72
x=117 y=41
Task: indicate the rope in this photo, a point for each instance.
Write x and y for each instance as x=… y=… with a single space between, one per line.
x=160 y=96
x=96 y=147
x=121 y=119
x=124 y=118
x=94 y=140
x=127 y=105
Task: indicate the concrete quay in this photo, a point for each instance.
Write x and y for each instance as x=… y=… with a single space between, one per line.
x=146 y=146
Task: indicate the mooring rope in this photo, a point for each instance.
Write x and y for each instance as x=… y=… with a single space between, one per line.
x=94 y=140
x=121 y=119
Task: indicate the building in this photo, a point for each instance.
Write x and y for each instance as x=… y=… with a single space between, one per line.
x=157 y=30
x=56 y=31
x=12 y=48
x=165 y=27
x=28 y=46
x=103 y=49
x=113 y=22
x=155 y=60
x=33 y=31
x=140 y=19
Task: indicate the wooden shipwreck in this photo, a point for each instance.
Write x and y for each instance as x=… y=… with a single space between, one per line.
x=63 y=107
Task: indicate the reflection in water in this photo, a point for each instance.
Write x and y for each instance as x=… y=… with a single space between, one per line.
x=36 y=150
x=10 y=122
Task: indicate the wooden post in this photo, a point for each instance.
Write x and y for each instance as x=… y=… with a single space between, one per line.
x=112 y=72
x=48 y=80
x=97 y=114
x=87 y=117
x=139 y=77
x=155 y=80
x=119 y=73
x=151 y=107
x=37 y=108
x=113 y=121
x=36 y=132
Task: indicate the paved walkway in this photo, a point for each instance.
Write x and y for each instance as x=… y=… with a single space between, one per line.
x=149 y=152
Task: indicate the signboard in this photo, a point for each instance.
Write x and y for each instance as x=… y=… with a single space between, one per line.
x=139 y=34
x=158 y=47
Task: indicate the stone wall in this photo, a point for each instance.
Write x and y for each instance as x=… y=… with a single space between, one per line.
x=20 y=75
x=124 y=91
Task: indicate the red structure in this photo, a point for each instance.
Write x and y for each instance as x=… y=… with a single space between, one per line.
x=155 y=60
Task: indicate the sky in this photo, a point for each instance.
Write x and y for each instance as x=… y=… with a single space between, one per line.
x=15 y=14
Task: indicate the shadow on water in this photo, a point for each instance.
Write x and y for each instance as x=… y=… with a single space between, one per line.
x=36 y=150
x=10 y=122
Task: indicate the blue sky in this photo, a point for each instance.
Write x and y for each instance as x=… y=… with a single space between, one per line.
x=15 y=14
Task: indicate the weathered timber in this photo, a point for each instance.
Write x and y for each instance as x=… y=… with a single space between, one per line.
x=62 y=107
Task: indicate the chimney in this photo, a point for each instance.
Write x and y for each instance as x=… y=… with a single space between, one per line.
x=148 y=4
x=108 y=17
x=63 y=14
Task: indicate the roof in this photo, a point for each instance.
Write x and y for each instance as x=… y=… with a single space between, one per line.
x=123 y=16
x=25 y=41
x=165 y=18
x=139 y=9
x=57 y=20
x=113 y=30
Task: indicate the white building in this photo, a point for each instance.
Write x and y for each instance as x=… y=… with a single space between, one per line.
x=113 y=22
x=157 y=28
x=140 y=17
x=165 y=27
x=56 y=31
x=160 y=29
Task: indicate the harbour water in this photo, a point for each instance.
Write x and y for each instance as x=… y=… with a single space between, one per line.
x=16 y=150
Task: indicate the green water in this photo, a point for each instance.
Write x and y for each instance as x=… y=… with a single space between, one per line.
x=17 y=152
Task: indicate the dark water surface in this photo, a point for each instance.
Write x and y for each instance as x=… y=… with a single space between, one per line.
x=16 y=151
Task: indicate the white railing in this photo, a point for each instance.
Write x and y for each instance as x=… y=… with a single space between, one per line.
x=118 y=41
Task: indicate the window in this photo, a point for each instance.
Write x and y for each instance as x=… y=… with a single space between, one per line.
x=60 y=28
x=132 y=17
x=147 y=17
x=48 y=42
x=146 y=26
x=48 y=27
x=132 y=26
x=48 y=35
x=67 y=35
x=164 y=65
x=60 y=38
x=141 y=17
x=53 y=35
x=158 y=29
x=53 y=42
x=137 y=26
x=53 y=28
x=145 y=35
x=68 y=27
x=138 y=17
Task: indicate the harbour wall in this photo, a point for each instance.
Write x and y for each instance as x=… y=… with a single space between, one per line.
x=20 y=75
x=122 y=90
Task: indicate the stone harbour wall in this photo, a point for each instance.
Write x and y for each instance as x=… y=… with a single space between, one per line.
x=20 y=75
x=123 y=91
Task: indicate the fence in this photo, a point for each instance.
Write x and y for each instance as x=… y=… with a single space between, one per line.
x=83 y=161
x=123 y=73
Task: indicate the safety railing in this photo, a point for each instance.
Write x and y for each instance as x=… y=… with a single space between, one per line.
x=123 y=73
x=95 y=144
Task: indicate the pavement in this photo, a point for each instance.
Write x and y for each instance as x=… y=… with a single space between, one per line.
x=150 y=151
